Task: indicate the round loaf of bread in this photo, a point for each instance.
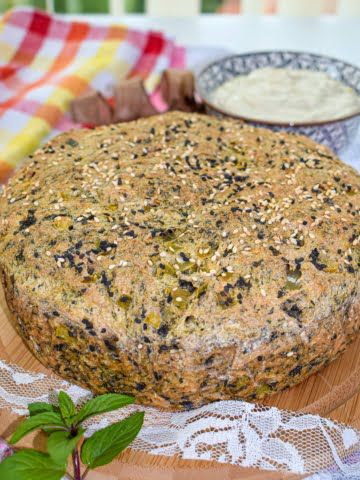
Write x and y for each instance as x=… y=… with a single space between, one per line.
x=183 y=259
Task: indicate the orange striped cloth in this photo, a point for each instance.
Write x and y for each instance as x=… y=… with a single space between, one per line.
x=46 y=61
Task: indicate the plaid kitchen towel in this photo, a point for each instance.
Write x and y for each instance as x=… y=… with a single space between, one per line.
x=45 y=62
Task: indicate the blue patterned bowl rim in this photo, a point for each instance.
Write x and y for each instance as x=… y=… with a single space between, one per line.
x=203 y=95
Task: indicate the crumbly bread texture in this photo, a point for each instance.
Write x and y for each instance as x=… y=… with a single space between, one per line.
x=183 y=259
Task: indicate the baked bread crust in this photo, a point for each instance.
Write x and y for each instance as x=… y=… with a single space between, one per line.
x=183 y=259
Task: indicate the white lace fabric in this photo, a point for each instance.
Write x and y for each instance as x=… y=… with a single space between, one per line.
x=234 y=432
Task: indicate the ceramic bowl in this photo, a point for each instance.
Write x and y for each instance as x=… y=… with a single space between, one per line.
x=336 y=134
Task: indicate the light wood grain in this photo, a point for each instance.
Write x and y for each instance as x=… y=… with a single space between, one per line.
x=133 y=465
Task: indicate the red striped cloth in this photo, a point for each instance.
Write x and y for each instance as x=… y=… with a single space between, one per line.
x=46 y=61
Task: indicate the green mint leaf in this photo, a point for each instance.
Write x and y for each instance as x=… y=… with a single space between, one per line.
x=37 y=421
x=30 y=465
x=102 y=447
x=102 y=404
x=40 y=407
x=49 y=430
x=61 y=444
x=67 y=407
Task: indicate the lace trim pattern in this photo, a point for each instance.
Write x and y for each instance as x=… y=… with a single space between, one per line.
x=234 y=432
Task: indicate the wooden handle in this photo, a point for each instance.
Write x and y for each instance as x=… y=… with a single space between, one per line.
x=337 y=396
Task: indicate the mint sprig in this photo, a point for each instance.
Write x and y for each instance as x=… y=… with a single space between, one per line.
x=67 y=407
x=61 y=444
x=30 y=465
x=104 y=403
x=63 y=427
x=45 y=419
x=103 y=446
x=41 y=407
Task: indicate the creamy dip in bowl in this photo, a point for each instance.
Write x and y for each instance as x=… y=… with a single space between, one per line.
x=303 y=93
x=286 y=95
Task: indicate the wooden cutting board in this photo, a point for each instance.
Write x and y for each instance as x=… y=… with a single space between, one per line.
x=133 y=465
